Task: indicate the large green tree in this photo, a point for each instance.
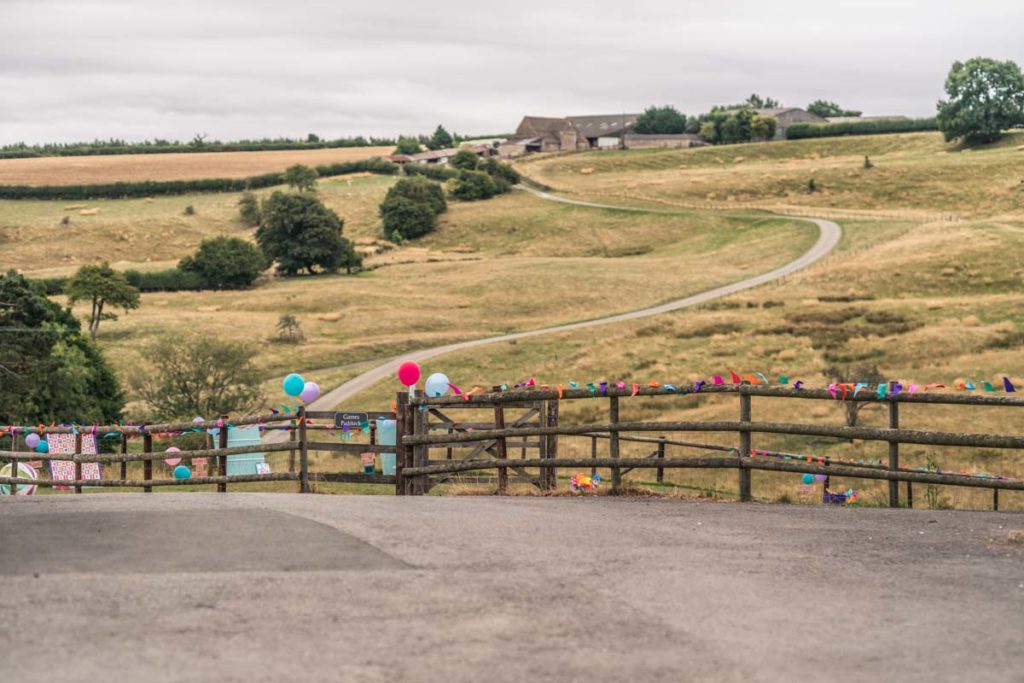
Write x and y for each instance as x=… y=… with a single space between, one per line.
x=666 y=120
x=985 y=98
x=202 y=375
x=441 y=139
x=101 y=286
x=49 y=371
x=299 y=233
x=226 y=263
x=407 y=146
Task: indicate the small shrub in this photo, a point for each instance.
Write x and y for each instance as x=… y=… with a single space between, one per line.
x=812 y=187
x=496 y=169
x=66 y=221
x=472 y=186
x=249 y=208
x=867 y=162
x=289 y=330
x=465 y=160
x=190 y=210
x=407 y=218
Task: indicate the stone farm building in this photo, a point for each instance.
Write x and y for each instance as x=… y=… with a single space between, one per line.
x=572 y=133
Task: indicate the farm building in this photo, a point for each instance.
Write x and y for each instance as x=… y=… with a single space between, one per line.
x=439 y=156
x=572 y=133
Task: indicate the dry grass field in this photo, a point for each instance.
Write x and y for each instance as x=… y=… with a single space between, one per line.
x=923 y=301
x=155 y=233
x=915 y=171
x=449 y=287
x=137 y=167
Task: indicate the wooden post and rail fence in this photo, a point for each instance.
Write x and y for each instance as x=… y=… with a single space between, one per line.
x=425 y=425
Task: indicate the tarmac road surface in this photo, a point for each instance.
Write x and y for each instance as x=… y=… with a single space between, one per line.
x=290 y=587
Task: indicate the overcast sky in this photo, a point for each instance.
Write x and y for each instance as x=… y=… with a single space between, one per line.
x=136 y=69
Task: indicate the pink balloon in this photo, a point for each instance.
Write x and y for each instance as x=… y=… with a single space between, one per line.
x=172 y=461
x=409 y=373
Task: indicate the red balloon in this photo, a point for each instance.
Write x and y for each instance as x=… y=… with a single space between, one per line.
x=409 y=373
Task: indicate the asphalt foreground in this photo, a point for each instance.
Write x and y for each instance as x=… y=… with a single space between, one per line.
x=288 y=587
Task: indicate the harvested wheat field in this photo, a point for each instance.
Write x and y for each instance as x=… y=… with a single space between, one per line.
x=187 y=166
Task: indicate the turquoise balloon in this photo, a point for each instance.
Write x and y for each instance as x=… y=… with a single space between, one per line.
x=182 y=472
x=293 y=384
x=42 y=447
x=808 y=478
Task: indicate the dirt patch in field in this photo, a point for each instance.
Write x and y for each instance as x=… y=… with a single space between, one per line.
x=188 y=166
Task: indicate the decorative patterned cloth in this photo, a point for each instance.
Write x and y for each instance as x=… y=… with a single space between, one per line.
x=64 y=470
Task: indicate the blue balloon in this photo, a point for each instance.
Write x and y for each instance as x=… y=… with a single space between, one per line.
x=808 y=478
x=182 y=472
x=293 y=384
x=42 y=447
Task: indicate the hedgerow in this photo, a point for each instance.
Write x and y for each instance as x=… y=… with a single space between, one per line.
x=152 y=188
x=799 y=131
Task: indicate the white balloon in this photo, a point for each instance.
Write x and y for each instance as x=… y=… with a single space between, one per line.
x=436 y=385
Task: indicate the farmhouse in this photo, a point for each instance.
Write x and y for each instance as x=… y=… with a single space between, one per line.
x=571 y=133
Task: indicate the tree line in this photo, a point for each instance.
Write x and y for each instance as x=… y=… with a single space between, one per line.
x=199 y=143
x=984 y=98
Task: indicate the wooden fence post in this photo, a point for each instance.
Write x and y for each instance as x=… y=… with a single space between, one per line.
x=910 y=495
x=222 y=460
x=124 y=451
x=78 y=462
x=147 y=465
x=661 y=459
x=551 y=480
x=593 y=454
x=499 y=423
x=995 y=500
x=303 y=453
x=894 y=450
x=14 y=463
x=744 y=447
x=401 y=421
x=292 y=437
x=613 y=444
x=420 y=453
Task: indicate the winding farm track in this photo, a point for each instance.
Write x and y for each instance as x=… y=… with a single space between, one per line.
x=829 y=236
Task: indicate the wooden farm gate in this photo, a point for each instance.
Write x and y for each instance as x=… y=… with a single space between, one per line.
x=420 y=468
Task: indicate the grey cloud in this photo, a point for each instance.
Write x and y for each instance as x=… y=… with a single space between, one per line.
x=78 y=69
